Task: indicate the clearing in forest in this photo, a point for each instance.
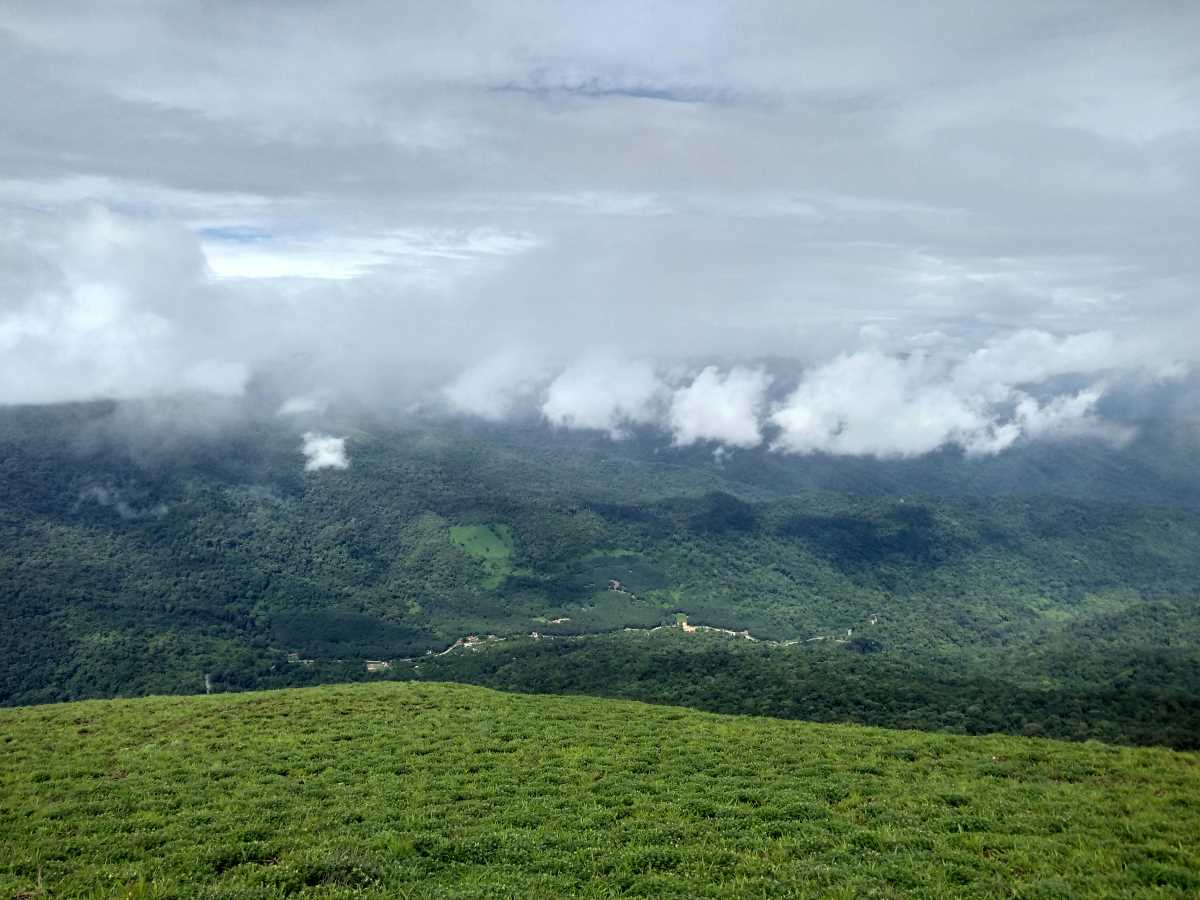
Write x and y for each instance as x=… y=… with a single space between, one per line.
x=492 y=545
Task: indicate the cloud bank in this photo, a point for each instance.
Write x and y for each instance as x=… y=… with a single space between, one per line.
x=604 y=393
x=871 y=402
x=720 y=408
x=613 y=216
x=868 y=403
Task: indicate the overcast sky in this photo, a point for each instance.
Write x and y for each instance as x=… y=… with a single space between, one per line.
x=934 y=206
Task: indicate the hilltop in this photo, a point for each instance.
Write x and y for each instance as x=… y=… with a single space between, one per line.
x=436 y=790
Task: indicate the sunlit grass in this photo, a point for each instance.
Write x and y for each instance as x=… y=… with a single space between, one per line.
x=443 y=790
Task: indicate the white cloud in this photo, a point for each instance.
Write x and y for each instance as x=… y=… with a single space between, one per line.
x=720 y=408
x=406 y=194
x=873 y=403
x=1030 y=357
x=1068 y=415
x=304 y=404
x=321 y=451
x=221 y=377
x=101 y=304
x=429 y=255
x=493 y=387
x=605 y=393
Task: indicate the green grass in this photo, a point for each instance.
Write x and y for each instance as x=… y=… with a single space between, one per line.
x=432 y=790
x=492 y=545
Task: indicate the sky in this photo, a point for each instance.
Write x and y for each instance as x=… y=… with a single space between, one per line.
x=614 y=214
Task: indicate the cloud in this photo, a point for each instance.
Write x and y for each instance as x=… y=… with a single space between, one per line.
x=492 y=388
x=1068 y=415
x=304 y=404
x=720 y=408
x=604 y=393
x=321 y=451
x=1031 y=357
x=873 y=403
x=974 y=199
x=105 y=305
x=217 y=377
x=113 y=498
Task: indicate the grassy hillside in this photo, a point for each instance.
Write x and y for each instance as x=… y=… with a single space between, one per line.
x=441 y=790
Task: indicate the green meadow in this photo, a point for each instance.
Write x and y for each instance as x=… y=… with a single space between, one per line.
x=438 y=790
x=492 y=545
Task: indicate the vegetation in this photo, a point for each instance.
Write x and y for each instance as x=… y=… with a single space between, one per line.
x=829 y=683
x=1051 y=590
x=454 y=791
x=492 y=545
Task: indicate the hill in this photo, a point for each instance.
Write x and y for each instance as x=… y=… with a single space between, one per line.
x=443 y=790
x=149 y=548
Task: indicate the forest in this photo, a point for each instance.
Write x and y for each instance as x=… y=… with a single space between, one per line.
x=916 y=593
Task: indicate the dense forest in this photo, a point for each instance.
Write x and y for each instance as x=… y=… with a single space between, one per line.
x=1053 y=589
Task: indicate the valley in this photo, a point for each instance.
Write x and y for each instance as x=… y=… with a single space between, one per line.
x=1047 y=614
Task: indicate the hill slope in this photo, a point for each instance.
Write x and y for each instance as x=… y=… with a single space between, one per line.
x=138 y=555
x=439 y=790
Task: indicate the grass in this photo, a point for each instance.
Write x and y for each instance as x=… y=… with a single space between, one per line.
x=433 y=790
x=492 y=545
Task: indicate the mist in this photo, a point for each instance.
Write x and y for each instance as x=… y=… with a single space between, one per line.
x=771 y=226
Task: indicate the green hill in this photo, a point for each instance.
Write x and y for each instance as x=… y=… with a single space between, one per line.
x=139 y=555
x=435 y=790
